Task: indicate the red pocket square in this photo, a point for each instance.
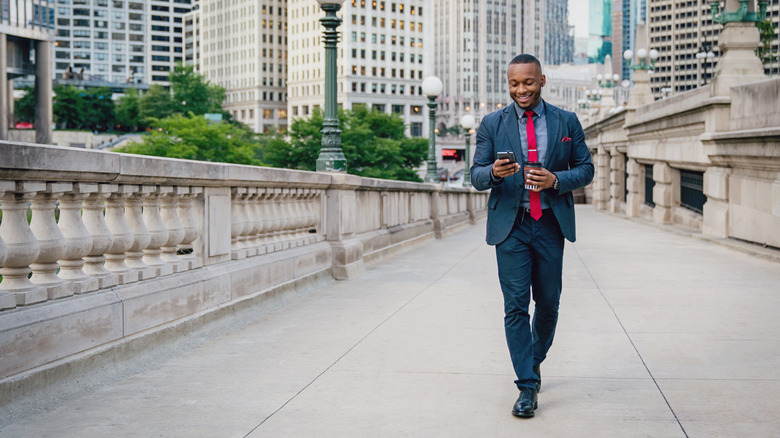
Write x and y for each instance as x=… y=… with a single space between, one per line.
x=566 y=139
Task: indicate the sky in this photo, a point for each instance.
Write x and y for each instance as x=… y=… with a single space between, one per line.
x=578 y=17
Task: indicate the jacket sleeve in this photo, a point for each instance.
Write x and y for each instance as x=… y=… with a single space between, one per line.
x=484 y=156
x=580 y=172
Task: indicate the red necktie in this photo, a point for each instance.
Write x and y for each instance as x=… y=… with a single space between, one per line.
x=536 y=203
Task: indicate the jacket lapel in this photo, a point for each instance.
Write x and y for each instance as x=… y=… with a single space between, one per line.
x=553 y=134
x=509 y=120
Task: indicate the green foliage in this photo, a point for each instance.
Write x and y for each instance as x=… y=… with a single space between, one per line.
x=155 y=104
x=195 y=138
x=128 y=117
x=24 y=108
x=193 y=92
x=373 y=143
x=83 y=109
x=766 y=30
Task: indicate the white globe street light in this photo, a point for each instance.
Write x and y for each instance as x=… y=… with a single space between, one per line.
x=432 y=87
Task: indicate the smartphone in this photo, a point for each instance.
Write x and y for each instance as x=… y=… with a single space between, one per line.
x=507 y=155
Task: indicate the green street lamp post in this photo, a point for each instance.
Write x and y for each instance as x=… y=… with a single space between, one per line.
x=331 y=158
x=467 y=122
x=432 y=87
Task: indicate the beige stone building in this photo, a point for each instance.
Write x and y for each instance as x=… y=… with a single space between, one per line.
x=383 y=56
x=243 y=48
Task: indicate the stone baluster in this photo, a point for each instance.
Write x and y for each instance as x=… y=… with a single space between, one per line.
x=78 y=241
x=300 y=216
x=7 y=300
x=285 y=208
x=169 y=213
x=274 y=219
x=249 y=223
x=50 y=240
x=255 y=239
x=102 y=239
x=157 y=231
x=314 y=215
x=190 y=228
x=21 y=247
x=237 y=221
x=123 y=235
x=263 y=196
x=141 y=236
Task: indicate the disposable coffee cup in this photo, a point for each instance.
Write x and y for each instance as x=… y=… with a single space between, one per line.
x=528 y=166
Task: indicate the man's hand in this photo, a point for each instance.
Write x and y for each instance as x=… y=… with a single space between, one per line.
x=541 y=178
x=503 y=168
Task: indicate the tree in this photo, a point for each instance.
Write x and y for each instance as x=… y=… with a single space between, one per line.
x=128 y=117
x=24 y=108
x=373 y=143
x=155 y=104
x=195 y=138
x=98 y=109
x=68 y=107
x=193 y=92
x=766 y=30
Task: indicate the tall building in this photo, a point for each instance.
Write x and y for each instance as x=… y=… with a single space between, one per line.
x=382 y=58
x=475 y=40
x=599 y=30
x=559 y=36
x=679 y=30
x=192 y=38
x=625 y=16
x=119 y=40
x=243 y=48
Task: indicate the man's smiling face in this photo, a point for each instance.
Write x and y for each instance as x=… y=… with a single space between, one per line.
x=525 y=84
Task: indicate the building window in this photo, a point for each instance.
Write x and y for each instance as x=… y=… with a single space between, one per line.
x=398 y=109
x=649 y=184
x=692 y=190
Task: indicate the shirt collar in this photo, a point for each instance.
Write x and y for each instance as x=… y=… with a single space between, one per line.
x=538 y=109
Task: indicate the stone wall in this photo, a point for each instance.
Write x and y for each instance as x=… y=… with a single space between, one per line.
x=119 y=247
x=733 y=140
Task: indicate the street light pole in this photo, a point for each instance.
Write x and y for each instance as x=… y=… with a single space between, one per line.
x=467 y=122
x=331 y=158
x=432 y=87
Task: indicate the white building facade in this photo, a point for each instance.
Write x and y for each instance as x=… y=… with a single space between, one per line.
x=474 y=44
x=384 y=54
x=119 y=40
x=243 y=48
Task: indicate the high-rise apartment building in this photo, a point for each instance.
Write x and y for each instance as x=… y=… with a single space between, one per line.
x=192 y=38
x=382 y=58
x=119 y=40
x=243 y=48
x=559 y=36
x=475 y=40
x=625 y=16
x=679 y=30
x=599 y=30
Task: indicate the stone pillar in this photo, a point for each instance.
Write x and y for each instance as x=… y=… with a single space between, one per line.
x=22 y=247
x=634 y=198
x=3 y=87
x=170 y=216
x=51 y=241
x=662 y=193
x=237 y=223
x=341 y=208
x=738 y=63
x=123 y=235
x=102 y=239
x=616 y=181
x=141 y=236
x=78 y=241
x=601 y=180
x=43 y=86
x=191 y=229
x=716 y=209
x=158 y=232
x=436 y=212
x=10 y=95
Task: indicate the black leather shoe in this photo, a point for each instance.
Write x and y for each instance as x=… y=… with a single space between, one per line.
x=538 y=371
x=526 y=404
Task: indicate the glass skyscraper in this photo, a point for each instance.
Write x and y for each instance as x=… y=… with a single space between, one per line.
x=599 y=30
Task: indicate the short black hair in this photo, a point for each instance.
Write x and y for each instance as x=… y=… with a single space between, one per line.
x=525 y=58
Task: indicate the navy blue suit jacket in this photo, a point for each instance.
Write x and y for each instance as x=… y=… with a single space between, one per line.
x=570 y=160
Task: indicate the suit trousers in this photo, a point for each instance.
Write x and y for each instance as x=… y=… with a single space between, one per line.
x=530 y=264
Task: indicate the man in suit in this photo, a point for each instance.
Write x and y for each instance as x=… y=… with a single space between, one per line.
x=528 y=226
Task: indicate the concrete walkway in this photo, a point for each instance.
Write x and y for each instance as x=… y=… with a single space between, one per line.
x=660 y=335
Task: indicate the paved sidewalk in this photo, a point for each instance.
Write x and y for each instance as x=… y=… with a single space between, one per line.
x=660 y=335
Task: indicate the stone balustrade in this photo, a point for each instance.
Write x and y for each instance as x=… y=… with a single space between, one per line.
x=99 y=248
x=730 y=143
